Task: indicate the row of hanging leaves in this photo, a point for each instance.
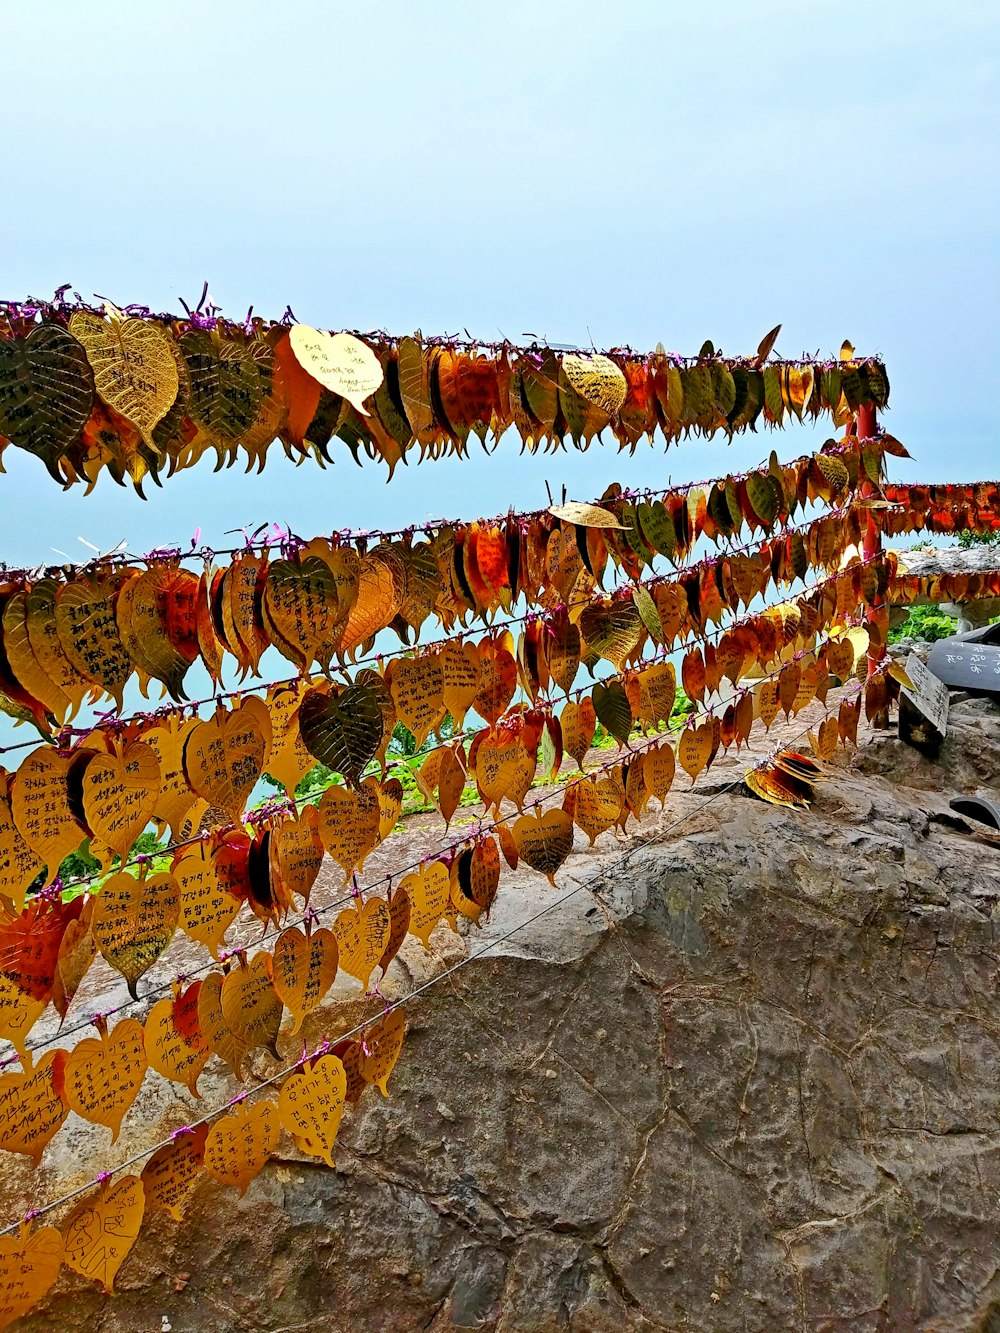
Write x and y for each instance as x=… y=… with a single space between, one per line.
x=239 y=1009
x=142 y=395
x=162 y=768
x=73 y=638
x=275 y=859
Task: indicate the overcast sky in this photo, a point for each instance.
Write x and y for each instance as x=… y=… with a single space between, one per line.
x=632 y=173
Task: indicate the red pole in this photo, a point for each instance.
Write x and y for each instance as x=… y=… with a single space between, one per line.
x=866 y=427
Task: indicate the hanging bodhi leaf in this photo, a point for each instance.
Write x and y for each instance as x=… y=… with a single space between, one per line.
x=175 y=1046
x=380 y=1047
x=362 y=933
x=172 y=1174
x=762 y=497
x=300 y=602
x=451 y=782
x=399 y=923
x=612 y=631
x=88 y=632
x=597 y=379
x=544 y=841
x=251 y=1009
x=103 y=1074
x=584 y=515
x=343 y=730
x=339 y=361
x=205 y=907
x=100 y=1231
x=498 y=680
x=133 y=363
x=296 y=852
x=648 y=612
x=19 y=864
x=31 y=1108
x=134 y=920
x=24 y=666
x=46 y=393
x=613 y=709
x=578 y=723
x=29 y=1265
x=224 y=757
x=694 y=749
x=657 y=527
x=305 y=966
x=156 y=613
x=311 y=1104
x=226 y=390
x=240 y=1142
x=561 y=645
x=349 y=824
x=120 y=791
x=502 y=766
x=597 y=805
x=657 y=692
x=461 y=674
x=214 y=1027
x=19 y=1013
x=834 y=472
x=427 y=890
x=658 y=766
x=76 y=952
x=417 y=686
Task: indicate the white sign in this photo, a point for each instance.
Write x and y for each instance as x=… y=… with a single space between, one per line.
x=929 y=694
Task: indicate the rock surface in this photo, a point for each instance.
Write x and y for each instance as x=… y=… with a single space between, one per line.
x=744 y=1075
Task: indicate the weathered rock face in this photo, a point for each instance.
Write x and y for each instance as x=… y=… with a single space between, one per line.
x=745 y=1078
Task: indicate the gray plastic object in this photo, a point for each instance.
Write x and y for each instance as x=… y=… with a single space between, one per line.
x=986 y=812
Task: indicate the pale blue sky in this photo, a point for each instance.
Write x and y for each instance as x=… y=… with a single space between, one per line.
x=628 y=173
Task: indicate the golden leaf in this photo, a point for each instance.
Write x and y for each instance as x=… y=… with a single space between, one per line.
x=103 y=1074
x=311 y=1104
x=224 y=757
x=134 y=920
x=349 y=824
x=31 y=1109
x=241 y=1141
x=597 y=379
x=29 y=1265
x=133 y=363
x=584 y=515
x=544 y=841
x=304 y=970
x=100 y=1232
x=380 y=1047
x=427 y=890
x=172 y=1174
x=120 y=793
x=362 y=933
x=251 y=1008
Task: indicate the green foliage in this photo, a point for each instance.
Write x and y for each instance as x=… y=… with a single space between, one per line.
x=967 y=539
x=923 y=622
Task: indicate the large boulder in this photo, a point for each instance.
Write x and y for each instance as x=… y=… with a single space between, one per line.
x=744 y=1075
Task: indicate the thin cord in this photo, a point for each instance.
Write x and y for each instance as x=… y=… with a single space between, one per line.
x=395 y=1004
